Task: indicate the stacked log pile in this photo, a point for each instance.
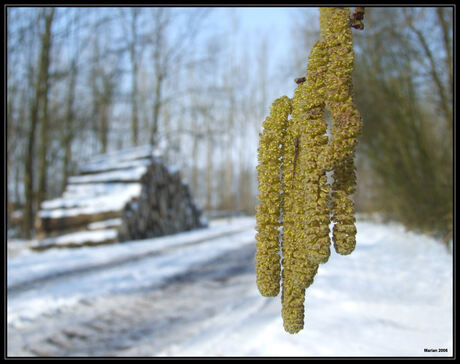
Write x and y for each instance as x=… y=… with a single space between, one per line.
x=120 y=196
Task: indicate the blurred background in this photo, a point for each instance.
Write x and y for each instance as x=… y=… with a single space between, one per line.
x=92 y=80
x=200 y=81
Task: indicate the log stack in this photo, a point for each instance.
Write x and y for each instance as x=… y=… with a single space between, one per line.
x=126 y=195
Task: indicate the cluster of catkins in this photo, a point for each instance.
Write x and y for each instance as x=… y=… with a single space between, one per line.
x=297 y=204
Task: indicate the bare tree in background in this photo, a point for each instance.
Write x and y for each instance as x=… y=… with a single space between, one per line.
x=44 y=134
x=151 y=75
x=161 y=21
x=444 y=89
x=68 y=132
x=403 y=89
x=132 y=36
x=404 y=92
x=70 y=69
x=103 y=80
x=169 y=52
x=40 y=87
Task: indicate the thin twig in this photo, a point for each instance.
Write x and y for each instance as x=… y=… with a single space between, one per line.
x=300 y=80
x=356 y=18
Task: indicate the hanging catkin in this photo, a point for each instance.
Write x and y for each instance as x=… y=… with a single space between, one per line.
x=293 y=244
x=313 y=141
x=346 y=126
x=268 y=267
x=294 y=156
x=306 y=214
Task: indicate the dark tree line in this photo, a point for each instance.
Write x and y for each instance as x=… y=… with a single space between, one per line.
x=405 y=91
x=403 y=87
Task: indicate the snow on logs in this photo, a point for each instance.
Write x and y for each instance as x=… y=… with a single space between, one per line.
x=119 y=196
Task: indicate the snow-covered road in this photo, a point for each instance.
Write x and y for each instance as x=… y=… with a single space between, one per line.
x=194 y=294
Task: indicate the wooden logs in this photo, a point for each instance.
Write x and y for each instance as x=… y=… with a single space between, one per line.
x=130 y=192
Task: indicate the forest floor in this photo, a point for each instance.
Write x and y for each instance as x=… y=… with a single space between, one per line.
x=194 y=294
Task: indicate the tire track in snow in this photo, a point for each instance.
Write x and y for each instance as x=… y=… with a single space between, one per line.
x=153 y=315
x=35 y=282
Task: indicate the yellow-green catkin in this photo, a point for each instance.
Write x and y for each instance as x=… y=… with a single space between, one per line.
x=300 y=152
x=306 y=214
x=344 y=232
x=268 y=267
x=293 y=289
x=292 y=300
x=314 y=140
x=346 y=121
x=346 y=127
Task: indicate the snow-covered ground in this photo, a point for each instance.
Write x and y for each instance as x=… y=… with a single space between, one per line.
x=194 y=294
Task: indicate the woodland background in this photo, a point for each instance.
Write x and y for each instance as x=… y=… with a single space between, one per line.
x=199 y=82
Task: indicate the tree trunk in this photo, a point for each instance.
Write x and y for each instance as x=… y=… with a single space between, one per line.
x=209 y=172
x=134 y=64
x=68 y=132
x=443 y=93
x=156 y=109
x=42 y=162
x=29 y=176
x=446 y=34
x=104 y=126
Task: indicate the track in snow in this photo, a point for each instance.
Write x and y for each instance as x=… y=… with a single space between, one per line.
x=391 y=297
x=120 y=317
x=142 y=322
